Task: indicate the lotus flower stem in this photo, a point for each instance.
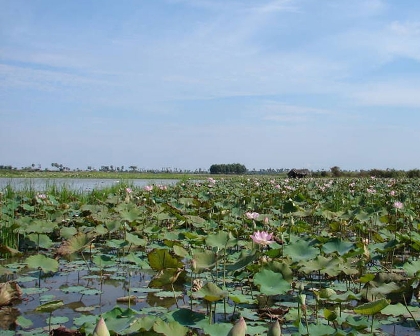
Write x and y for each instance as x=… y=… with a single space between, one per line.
x=409 y=311
x=173 y=292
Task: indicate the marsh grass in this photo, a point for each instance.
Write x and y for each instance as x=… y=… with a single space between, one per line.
x=34 y=205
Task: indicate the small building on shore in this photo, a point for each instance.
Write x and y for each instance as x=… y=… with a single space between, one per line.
x=298 y=173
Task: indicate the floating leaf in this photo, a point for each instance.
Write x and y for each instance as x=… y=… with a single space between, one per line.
x=23 y=322
x=49 y=307
x=57 y=319
x=371 y=308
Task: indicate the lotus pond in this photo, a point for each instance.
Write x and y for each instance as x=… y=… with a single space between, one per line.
x=320 y=256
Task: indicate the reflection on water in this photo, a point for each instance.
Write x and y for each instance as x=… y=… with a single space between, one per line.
x=96 y=298
x=42 y=184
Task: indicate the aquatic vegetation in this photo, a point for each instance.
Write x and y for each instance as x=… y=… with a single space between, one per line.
x=238 y=256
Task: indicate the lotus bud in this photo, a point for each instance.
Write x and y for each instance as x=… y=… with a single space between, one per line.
x=101 y=329
x=239 y=329
x=275 y=329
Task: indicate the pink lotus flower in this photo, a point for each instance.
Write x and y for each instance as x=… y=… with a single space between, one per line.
x=262 y=238
x=148 y=188
x=128 y=190
x=398 y=205
x=252 y=215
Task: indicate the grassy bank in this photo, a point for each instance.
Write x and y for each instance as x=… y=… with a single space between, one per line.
x=98 y=175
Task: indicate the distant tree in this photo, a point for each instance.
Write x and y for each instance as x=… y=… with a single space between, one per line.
x=232 y=168
x=335 y=171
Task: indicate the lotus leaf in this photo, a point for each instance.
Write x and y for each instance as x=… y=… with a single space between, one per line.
x=246 y=258
x=58 y=320
x=68 y=232
x=338 y=246
x=300 y=249
x=160 y=259
x=41 y=240
x=330 y=266
x=75 y=244
x=103 y=260
x=187 y=317
x=180 y=251
x=119 y=319
x=271 y=283
x=172 y=328
x=42 y=262
x=49 y=307
x=211 y=292
x=23 y=322
x=371 y=308
x=221 y=240
x=317 y=330
x=412 y=268
x=203 y=260
x=135 y=240
x=215 y=329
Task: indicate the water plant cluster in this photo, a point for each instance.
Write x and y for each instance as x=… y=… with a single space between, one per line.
x=238 y=256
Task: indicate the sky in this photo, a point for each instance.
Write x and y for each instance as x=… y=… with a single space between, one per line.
x=184 y=84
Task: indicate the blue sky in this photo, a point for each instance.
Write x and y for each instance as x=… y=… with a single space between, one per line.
x=189 y=83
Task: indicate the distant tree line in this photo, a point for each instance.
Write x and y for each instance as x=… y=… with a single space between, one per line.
x=230 y=168
x=379 y=173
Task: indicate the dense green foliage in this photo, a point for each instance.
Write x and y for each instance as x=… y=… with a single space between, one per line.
x=231 y=168
x=319 y=255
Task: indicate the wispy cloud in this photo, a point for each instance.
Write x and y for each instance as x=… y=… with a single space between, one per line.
x=292 y=113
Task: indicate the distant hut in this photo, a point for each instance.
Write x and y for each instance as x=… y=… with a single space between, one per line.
x=298 y=173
